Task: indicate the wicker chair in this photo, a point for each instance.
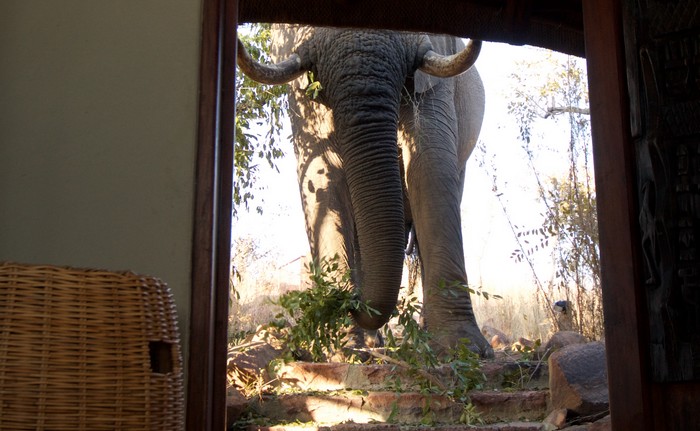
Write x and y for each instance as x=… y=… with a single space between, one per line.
x=84 y=349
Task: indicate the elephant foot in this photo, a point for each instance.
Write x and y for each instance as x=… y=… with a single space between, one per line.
x=358 y=341
x=445 y=340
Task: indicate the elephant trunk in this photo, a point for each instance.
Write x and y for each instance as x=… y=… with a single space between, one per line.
x=365 y=73
x=374 y=181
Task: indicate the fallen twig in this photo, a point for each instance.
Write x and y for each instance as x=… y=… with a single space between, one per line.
x=407 y=366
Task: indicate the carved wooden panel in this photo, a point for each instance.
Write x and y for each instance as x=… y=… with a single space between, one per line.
x=663 y=53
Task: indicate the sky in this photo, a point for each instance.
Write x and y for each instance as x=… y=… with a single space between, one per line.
x=488 y=238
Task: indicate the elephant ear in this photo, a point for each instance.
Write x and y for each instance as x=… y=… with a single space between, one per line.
x=445 y=45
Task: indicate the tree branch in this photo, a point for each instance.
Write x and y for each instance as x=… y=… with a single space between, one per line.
x=556 y=110
x=405 y=365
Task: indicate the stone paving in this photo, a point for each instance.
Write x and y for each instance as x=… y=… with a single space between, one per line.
x=353 y=397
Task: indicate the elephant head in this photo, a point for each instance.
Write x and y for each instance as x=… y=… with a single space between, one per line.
x=363 y=74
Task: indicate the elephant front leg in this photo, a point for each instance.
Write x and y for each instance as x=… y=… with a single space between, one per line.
x=330 y=228
x=434 y=189
x=327 y=212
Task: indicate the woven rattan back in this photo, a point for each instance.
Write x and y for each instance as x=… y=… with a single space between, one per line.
x=87 y=350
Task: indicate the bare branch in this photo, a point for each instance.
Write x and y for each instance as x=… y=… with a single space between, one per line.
x=425 y=374
x=556 y=110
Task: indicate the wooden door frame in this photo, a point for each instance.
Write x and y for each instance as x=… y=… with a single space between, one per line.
x=629 y=390
x=614 y=158
x=211 y=242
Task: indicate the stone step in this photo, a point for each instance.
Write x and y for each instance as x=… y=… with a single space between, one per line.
x=510 y=426
x=404 y=408
x=318 y=396
x=307 y=376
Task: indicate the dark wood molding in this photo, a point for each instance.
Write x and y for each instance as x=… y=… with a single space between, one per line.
x=613 y=154
x=199 y=375
x=211 y=249
x=227 y=114
x=553 y=24
x=635 y=401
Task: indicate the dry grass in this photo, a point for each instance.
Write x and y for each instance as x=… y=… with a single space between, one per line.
x=516 y=316
x=261 y=279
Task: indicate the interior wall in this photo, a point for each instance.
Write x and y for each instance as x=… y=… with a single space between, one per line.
x=98 y=110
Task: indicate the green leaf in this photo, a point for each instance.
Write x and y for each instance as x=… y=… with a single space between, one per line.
x=314 y=86
x=255 y=104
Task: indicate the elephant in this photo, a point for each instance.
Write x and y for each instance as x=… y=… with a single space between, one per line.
x=381 y=152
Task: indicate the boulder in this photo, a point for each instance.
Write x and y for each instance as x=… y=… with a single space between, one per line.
x=250 y=366
x=492 y=334
x=499 y=342
x=554 y=420
x=524 y=344
x=236 y=405
x=578 y=379
x=559 y=340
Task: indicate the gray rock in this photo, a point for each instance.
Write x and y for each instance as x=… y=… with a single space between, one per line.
x=495 y=336
x=559 y=340
x=498 y=342
x=247 y=367
x=236 y=405
x=555 y=420
x=578 y=379
x=523 y=344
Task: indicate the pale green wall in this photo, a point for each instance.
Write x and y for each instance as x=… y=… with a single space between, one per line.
x=98 y=110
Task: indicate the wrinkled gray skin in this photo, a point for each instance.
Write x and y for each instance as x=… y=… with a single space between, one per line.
x=381 y=149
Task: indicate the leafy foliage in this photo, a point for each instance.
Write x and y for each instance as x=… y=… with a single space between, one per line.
x=321 y=314
x=412 y=348
x=466 y=370
x=317 y=321
x=411 y=345
x=260 y=110
x=314 y=86
x=573 y=218
x=470 y=415
x=321 y=320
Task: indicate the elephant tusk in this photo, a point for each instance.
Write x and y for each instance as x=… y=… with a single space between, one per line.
x=411 y=241
x=272 y=74
x=451 y=65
